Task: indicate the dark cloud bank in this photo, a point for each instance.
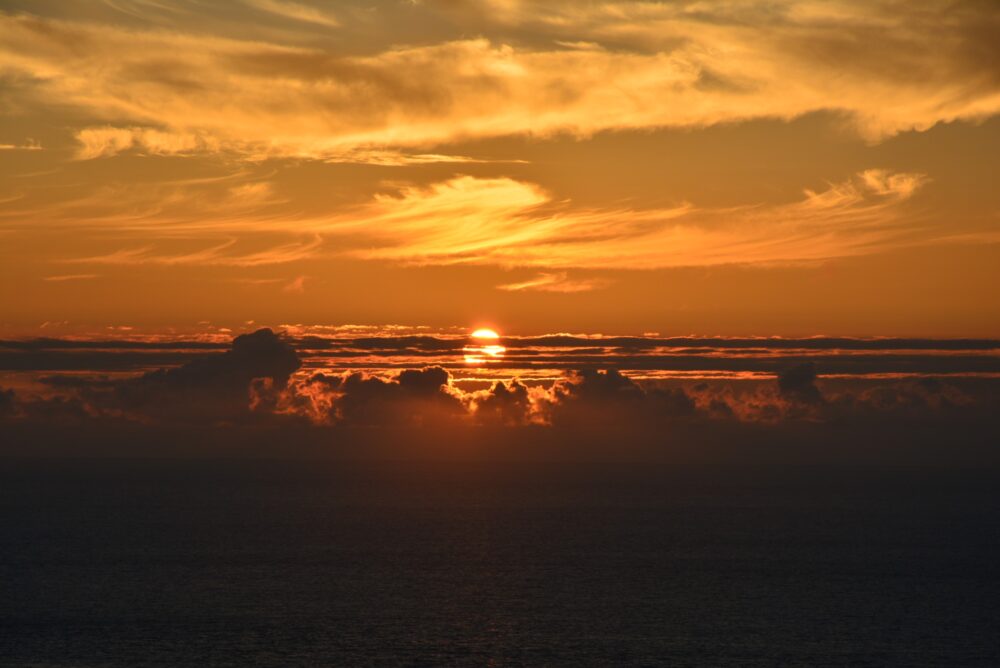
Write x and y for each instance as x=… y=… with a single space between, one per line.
x=254 y=395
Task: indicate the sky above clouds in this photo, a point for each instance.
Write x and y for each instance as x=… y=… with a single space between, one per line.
x=754 y=168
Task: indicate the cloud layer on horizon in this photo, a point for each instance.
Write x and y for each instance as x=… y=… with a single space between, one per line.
x=256 y=381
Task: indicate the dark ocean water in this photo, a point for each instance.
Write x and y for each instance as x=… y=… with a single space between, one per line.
x=324 y=563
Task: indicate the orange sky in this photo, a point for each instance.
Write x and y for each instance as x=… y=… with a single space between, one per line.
x=788 y=168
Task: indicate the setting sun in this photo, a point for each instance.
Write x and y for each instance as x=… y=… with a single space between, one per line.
x=485 y=334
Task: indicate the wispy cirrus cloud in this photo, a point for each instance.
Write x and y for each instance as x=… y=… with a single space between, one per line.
x=555 y=282
x=61 y=278
x=503 y=222
x=220 y=254
x=108 y=141
x=511 y=223
x=295 y=11
x=29 y=145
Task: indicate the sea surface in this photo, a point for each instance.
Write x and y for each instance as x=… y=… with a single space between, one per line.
x=244 y=563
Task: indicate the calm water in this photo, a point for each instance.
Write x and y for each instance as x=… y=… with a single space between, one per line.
x=269 y=563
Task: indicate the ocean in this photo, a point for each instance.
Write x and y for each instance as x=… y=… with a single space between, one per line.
x=236 y=562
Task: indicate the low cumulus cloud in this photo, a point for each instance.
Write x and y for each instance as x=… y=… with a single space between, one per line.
x=212 y=388
x=799 y=383
x=599 y=398
x=506 y=403
x=608 y=399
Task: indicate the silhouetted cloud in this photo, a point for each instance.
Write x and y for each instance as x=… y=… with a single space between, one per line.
x=411 y=397
x=259 y=381
x=606 y=398
x=7 y=399
x=799 y=383
x=919 y=399
x=209 y=388
x=261 y=354
x=506 y=403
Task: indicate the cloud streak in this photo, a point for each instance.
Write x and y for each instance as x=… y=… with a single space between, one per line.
x=555 y=282
x=62 y=278
x=216 y=255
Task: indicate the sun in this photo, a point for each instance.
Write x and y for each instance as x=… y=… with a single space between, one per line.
x=484 y=349
x=485 y=334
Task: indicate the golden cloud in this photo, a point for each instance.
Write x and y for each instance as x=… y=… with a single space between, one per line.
x=510 y=223
x=495 y=221
x=603 y=66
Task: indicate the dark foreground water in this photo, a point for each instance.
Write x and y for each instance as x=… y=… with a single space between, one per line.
x=324 y=563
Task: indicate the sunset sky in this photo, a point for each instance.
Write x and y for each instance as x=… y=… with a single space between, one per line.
x=499 y=332
x=760 y=168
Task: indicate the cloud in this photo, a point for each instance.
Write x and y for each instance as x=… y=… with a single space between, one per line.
x=628 y=65
x=608 y=400
x=257 y=355
x=210 y=388
x=7 y=401
x=506 y=403
x=216 y=255
x=69 y=277
x=29 y=145
x=506 y=222
x=193 y=209
x=259 y=381
x=555 y=282
x=799 y=383
x=649 y=65
x=389 y=158
x=296 y=285
x=920 y=399
x=98 y=142
x=296 y=12
x=602 y=399
x=107 y=141
x=413 y=397
x=885 y=183
x=380 y=349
